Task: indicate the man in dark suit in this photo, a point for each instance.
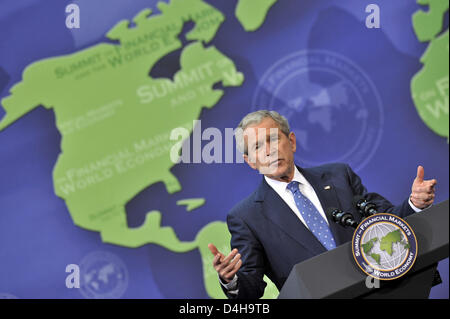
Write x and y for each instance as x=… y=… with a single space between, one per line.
x=284 y=222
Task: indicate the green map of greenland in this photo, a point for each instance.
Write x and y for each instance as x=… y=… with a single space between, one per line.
x=115 y=120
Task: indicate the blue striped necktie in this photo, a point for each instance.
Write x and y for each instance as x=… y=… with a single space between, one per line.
x=315 y=222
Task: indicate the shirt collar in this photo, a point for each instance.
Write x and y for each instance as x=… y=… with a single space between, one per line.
x=279 y=186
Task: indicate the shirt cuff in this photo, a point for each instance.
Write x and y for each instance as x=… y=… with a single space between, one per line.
x=232 y=285
x=417 y=210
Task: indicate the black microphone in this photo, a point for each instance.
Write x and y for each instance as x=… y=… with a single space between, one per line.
x=365 y=207
x=342 y=218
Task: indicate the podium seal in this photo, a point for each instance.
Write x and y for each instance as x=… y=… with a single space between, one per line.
x=384 y=246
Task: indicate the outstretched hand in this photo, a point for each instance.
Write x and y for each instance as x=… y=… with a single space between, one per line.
x=422 y=191
x=227 y=266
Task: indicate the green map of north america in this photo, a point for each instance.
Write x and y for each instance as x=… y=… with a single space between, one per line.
x=115 y=120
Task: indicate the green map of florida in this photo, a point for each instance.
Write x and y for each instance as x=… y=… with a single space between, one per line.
x=115 y=122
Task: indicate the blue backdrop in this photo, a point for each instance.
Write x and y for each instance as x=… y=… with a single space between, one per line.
x=350 y=103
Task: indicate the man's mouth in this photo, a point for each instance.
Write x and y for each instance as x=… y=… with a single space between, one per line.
x=277 y=161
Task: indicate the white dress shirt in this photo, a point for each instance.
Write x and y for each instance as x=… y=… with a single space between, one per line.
x=305 y=188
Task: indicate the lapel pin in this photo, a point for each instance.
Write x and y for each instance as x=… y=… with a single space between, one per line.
x=327 y=187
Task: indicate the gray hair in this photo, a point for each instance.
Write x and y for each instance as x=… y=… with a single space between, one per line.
x=256 y=118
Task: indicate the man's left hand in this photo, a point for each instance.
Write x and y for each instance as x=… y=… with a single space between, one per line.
x=422 y=191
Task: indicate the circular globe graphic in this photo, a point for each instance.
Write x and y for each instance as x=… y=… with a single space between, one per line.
x=326 y=93
x=385 y=246
x=103 y=276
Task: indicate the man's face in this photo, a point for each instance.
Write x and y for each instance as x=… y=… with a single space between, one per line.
x=269 y=150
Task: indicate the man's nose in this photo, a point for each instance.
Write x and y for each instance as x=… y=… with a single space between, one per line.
x=271 y=149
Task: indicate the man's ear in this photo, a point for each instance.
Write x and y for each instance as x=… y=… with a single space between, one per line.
x=250 y=163
x=292 y=141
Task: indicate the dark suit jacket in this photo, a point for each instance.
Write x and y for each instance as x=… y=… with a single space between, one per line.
x=270 y=237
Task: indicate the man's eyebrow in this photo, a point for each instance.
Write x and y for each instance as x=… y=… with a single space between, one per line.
x=257 y=142
x=261 y=141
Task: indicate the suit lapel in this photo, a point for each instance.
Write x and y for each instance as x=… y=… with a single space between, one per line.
x=275 y=208
x=326 y=192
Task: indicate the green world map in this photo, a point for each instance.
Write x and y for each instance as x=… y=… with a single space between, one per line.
x=386 y=244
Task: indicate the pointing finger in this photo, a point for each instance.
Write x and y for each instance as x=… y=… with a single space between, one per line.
x=213 y=249
x=420 y=174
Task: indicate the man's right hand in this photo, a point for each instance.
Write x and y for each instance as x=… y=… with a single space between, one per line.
x=228 y=266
